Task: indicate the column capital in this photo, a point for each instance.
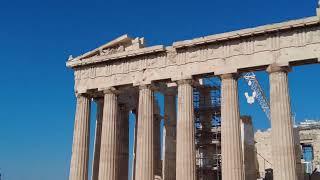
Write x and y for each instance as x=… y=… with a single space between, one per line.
x=148 y=86
x=185 y=81
x=276 y=68
x=230 y=76
x=78 y=95
x=110 y=90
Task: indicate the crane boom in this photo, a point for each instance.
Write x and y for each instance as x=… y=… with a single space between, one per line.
x=254 y=85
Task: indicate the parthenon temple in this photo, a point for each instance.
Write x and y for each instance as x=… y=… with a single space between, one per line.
x=204 y=136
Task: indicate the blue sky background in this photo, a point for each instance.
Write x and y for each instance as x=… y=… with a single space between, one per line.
x=36 y=89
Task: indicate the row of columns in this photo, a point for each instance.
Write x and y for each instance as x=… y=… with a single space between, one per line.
x=111 y=156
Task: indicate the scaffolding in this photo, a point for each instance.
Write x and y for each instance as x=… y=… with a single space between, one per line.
x=207 y=110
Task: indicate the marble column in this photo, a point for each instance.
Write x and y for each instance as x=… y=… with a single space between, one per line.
x=248 y=148
x=144 y=154
x=109 y=139
x=156 y=141
x=80 y=147
x=97 y=140
x=283 y=150
x=170 y=123
x=185 y=154
x=134 y=145
x=231 y=149
x=123 y=134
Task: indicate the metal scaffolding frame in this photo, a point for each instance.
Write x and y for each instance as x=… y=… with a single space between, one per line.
x=208 y=140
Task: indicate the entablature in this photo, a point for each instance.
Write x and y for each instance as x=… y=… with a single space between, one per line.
x=290 y=43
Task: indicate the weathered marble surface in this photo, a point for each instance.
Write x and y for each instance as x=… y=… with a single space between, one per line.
x=293 y=42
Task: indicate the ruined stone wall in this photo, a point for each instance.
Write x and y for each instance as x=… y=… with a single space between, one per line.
x=312 y=137
x=249 y=155
x=300 y=167
x=302 y=136
x=263 y=148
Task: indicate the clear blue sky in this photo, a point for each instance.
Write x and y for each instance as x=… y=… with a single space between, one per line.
x=36 y=91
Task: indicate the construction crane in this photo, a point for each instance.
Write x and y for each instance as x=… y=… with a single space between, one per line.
x=257 y=93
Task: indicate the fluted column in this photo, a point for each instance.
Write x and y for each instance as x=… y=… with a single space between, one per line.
x=156 y=141
x=109 y=139
x=97 y=140
x=231 y=149
x=284 y=161
x=170 y=123
x=123 y=151
x=80 y=147
x=144 y=154
x=185 y=162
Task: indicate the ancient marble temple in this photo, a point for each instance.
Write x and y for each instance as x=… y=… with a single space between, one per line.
x=123 y=75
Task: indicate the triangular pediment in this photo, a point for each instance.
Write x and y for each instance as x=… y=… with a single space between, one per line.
x=121 y=44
